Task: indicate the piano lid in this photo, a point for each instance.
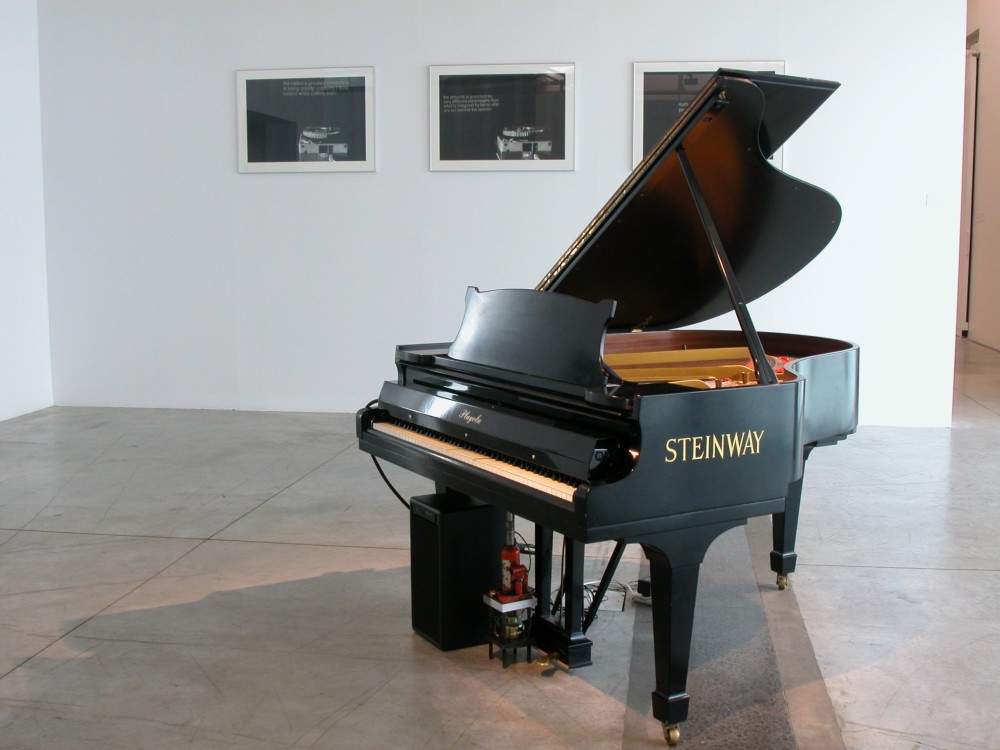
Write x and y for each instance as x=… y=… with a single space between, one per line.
x=647 y=248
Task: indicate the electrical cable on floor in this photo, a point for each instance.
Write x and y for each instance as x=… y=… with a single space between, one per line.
x=629 y=590
x=618 y=586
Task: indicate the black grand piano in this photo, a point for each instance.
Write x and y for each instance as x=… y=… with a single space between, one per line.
x=579 y=405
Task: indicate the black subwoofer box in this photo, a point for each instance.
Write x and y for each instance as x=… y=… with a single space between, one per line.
x=455 y=544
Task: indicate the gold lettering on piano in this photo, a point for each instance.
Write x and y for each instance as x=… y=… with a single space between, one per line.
x=720 y=445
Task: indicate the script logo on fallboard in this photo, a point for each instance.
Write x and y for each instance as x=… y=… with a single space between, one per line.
x=469 y=418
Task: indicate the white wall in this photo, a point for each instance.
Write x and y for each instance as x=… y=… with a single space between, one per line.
x=176 y=281
x=25 y=368
x=984 y=302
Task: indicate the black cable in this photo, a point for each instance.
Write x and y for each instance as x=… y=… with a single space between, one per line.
x=528 y=550
x=381 y=473
x=524 y=542
x=389 y=484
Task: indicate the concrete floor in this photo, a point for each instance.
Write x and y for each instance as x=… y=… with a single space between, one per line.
x=899 y=574
x=207 y=579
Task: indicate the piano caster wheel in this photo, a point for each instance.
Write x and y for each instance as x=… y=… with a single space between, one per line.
x=672 y=734
x=782 y=582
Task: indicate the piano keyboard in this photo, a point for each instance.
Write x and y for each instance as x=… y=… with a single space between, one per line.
x=520 y=475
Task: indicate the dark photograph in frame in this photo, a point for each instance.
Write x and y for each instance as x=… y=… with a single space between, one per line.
x=306 y=120
x=502 y=117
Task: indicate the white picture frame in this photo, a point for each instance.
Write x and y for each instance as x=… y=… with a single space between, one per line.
x=512 y=118
x=306 y=120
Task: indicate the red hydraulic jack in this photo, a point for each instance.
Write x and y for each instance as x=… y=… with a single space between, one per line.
x=510 y=606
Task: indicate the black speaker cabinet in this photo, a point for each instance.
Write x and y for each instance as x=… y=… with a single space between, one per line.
x=455 y=544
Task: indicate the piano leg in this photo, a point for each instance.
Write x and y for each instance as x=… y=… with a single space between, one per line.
x=783 y=529
x=561 y=634
x=674 y=561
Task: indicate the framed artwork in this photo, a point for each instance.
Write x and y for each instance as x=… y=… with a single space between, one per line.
x=663 y=90
x=502 y=117
x=306 y=120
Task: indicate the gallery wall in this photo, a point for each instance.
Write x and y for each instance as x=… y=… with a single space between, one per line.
x=175 y=281
x=25 y=369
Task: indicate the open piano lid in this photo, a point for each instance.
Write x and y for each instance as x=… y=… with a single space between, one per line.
x=648 y=249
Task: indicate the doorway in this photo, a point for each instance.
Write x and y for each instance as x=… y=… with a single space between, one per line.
x=966 y=242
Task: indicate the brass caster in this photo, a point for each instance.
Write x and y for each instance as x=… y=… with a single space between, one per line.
x=672 y=734
x=782 y=582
